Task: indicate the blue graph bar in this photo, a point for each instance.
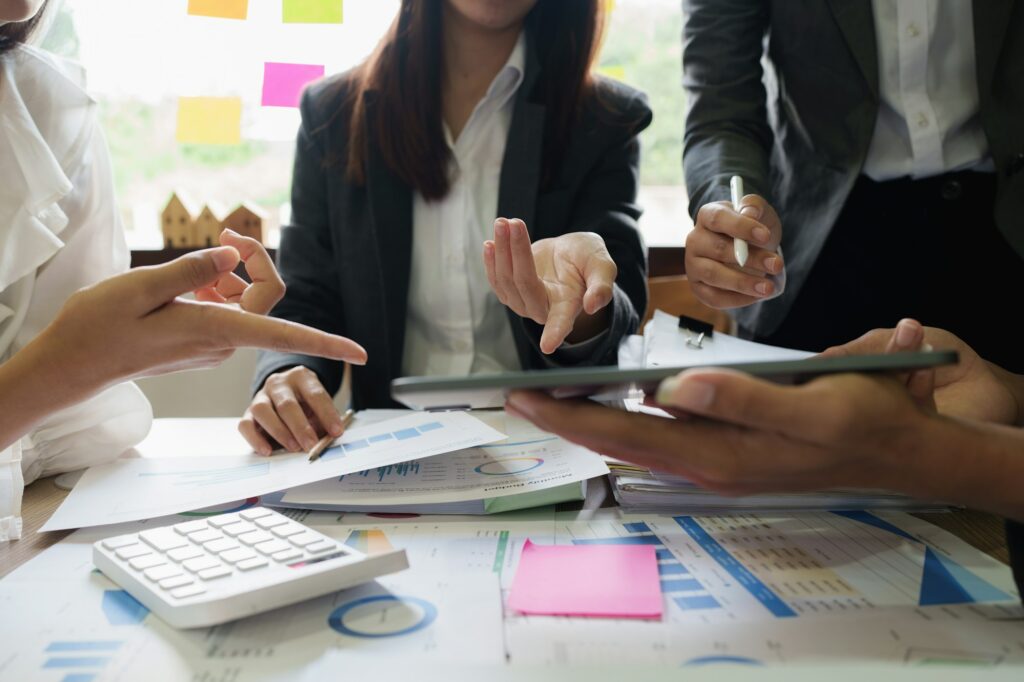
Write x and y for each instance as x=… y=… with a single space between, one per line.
x=664 y=554
x=705 y=601
x=432 y=426
x=671 y=569
x=78 y=677
x=83 y=646
x=80 y=662
x=742 y=575
x=624 y=540
x=637 y=527
x=684 y=585
x=382 y=437
x=356 y=445
x=406 y=434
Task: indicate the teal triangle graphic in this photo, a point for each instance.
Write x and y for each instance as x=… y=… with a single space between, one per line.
x=872 y=520
x=944 y=581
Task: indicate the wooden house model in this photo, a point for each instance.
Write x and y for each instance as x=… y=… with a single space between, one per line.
x=247 y=220
x=177 y=222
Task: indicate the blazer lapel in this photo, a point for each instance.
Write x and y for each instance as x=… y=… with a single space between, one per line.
x=991 y=17
x=391 y=216
x=521 y=167
x=856 y=20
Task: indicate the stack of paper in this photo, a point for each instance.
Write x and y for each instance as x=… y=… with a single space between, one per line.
x=639 y=490
x=530 y=468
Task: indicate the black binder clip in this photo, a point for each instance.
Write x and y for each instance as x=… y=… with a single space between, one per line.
x=696 y=331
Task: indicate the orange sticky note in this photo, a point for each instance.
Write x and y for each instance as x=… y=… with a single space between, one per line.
x=210 y=120
x=224 y=9
x=312 y=11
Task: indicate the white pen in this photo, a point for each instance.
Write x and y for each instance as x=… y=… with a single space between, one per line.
x=739 y=247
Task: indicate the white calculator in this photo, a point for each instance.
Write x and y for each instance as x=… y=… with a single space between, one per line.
x=217 y=569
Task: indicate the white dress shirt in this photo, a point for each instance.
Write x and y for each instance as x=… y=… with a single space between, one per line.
x=928 y=122
x=59 y=231
x=455 y=324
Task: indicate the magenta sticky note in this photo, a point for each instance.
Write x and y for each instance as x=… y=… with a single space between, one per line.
x=283 y=83
x=612 y=581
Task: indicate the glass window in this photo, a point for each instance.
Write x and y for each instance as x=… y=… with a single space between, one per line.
x=143 y=55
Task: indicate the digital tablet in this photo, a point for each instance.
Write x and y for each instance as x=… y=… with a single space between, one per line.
x=610 y=383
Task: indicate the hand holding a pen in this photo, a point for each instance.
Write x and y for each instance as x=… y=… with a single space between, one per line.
x=725 y=232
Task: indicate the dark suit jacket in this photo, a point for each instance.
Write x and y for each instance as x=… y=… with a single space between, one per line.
x=346 y=256
x=800 y=136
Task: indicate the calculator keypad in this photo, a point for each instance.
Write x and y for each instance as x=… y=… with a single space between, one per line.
x=188 y=559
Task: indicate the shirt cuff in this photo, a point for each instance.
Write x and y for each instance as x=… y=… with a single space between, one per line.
x=573 y=353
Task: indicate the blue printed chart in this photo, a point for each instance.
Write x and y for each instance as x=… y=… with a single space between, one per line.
x=750 y=566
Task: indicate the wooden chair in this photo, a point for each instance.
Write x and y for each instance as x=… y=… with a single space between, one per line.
x=673 y=295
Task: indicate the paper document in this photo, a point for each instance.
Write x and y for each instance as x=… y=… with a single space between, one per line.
x=528 y=461
x=142 y=488
x=665 y=345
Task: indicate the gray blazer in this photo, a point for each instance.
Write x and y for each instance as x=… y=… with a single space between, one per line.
x=799 y=130
x=346 y=256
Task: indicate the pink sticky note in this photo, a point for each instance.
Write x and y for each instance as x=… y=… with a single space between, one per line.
x=614 y=581
x=283 y=83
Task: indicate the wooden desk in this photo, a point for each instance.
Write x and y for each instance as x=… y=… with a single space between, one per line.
x=981 y=530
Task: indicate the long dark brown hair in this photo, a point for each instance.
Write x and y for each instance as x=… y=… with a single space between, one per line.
x=16 y=33
x=405 y=73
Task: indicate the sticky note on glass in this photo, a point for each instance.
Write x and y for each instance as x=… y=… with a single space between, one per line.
x=224 y=9
x=312 y=11
x=612 y=581
x=283 y=83
x=210 y=120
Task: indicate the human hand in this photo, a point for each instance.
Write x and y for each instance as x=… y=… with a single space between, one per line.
x=292 y=409
x=266 y=288
x=564 y=283
x=972 y=388
x=748 y=436
x=134 y=325
x=716 y=279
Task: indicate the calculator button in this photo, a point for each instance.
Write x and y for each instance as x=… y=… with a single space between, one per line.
x=190 y=527
x=201 y=563
x=271 y=521
x=321 y=546
x=158 y=573
x=204 y=536
x=271 y=546
x=255 y=537
x=258 y=513
x=183 y=553
x=188 y=591
x=163 y=539
x=119 y=542
x=176 y=581
x=221 y=521
x=143 y=562
x=233 y=556
x=250 y=564
x=239 y=528
x=287 y=531
x=287 y=555
x=219 y=546
x=212 y=573
x=305 y=539
x=132 y=551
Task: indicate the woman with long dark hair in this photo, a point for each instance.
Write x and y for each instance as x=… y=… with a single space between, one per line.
x=462 y=202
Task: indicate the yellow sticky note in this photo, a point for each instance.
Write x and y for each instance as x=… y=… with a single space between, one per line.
x=210 y=120
x=225 y=9
x=617 y=72
x=312 y=11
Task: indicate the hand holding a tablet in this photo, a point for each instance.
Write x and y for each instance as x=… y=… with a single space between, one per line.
x=564 y=283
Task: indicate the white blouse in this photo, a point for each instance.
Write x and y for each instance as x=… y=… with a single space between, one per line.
x=59 y=232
